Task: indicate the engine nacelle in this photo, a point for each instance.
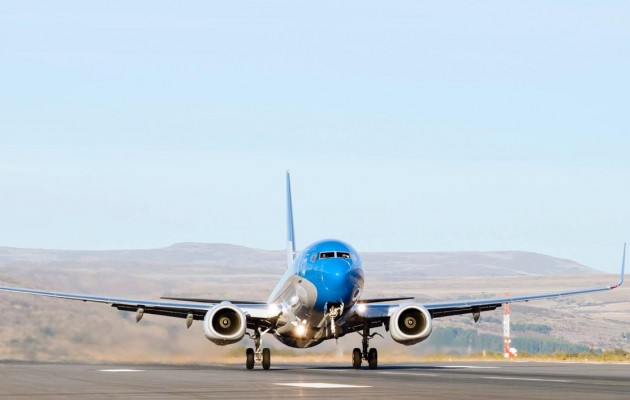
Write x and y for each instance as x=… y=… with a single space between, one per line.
x=224 y=324
x=410 y=324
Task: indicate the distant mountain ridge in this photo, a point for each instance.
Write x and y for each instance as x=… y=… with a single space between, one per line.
x=387 y=264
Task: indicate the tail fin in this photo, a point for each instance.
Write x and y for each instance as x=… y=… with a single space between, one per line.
x=290 y=234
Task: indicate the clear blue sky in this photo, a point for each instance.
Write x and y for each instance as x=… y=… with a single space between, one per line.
x=408 y=126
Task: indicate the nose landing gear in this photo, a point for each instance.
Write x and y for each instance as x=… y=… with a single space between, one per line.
x=332 y=312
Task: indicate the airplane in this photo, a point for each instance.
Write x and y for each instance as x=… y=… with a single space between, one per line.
x=318 y=298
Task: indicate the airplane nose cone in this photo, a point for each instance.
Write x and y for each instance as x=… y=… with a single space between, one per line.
x=337 y=271
x=338 y=281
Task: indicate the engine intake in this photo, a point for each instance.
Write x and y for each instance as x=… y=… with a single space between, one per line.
x=410 y=324
x=224 y=324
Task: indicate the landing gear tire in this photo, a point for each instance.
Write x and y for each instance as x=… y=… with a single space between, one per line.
x=249 y=362
x=266 y=358
x=373 y=358
x=356 y=358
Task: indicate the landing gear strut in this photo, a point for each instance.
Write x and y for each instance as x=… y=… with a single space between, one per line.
x=258 y=353
x=370 y=355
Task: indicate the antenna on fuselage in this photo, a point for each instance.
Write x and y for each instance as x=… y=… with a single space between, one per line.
x=290 y=233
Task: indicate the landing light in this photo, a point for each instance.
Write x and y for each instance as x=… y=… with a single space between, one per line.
x=361 y=308
x=274 y=309
x=300 y=330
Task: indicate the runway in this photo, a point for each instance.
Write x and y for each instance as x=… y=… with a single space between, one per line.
x=486 y=380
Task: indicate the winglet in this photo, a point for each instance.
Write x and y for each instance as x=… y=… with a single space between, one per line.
x=623 y=267
x=290 y=233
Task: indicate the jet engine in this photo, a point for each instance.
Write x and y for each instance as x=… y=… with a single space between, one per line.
x=410 y=324
x=224 y=324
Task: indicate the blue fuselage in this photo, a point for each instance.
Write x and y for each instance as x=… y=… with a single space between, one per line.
x=328 y=273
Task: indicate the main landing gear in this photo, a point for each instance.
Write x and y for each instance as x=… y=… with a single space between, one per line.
x=369 y=355
x=257 y=354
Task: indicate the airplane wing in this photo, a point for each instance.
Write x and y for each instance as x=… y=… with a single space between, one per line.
x=382 y=312
x=258 y=312
x=202 y=300
x=383 y=300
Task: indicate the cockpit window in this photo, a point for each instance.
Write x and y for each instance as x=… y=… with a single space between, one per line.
x=334 y=254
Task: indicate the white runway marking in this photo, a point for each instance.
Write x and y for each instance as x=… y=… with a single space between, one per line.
x=121 y=370
x=467 y=366
x=507 y=378
x=320 y=385
x=409 y=373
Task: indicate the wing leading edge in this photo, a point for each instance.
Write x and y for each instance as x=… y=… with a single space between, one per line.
x=165 y=308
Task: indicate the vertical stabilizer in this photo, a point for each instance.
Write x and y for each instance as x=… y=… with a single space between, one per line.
x=290 y=234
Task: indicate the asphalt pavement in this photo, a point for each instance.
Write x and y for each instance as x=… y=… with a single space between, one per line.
x=482 y=380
